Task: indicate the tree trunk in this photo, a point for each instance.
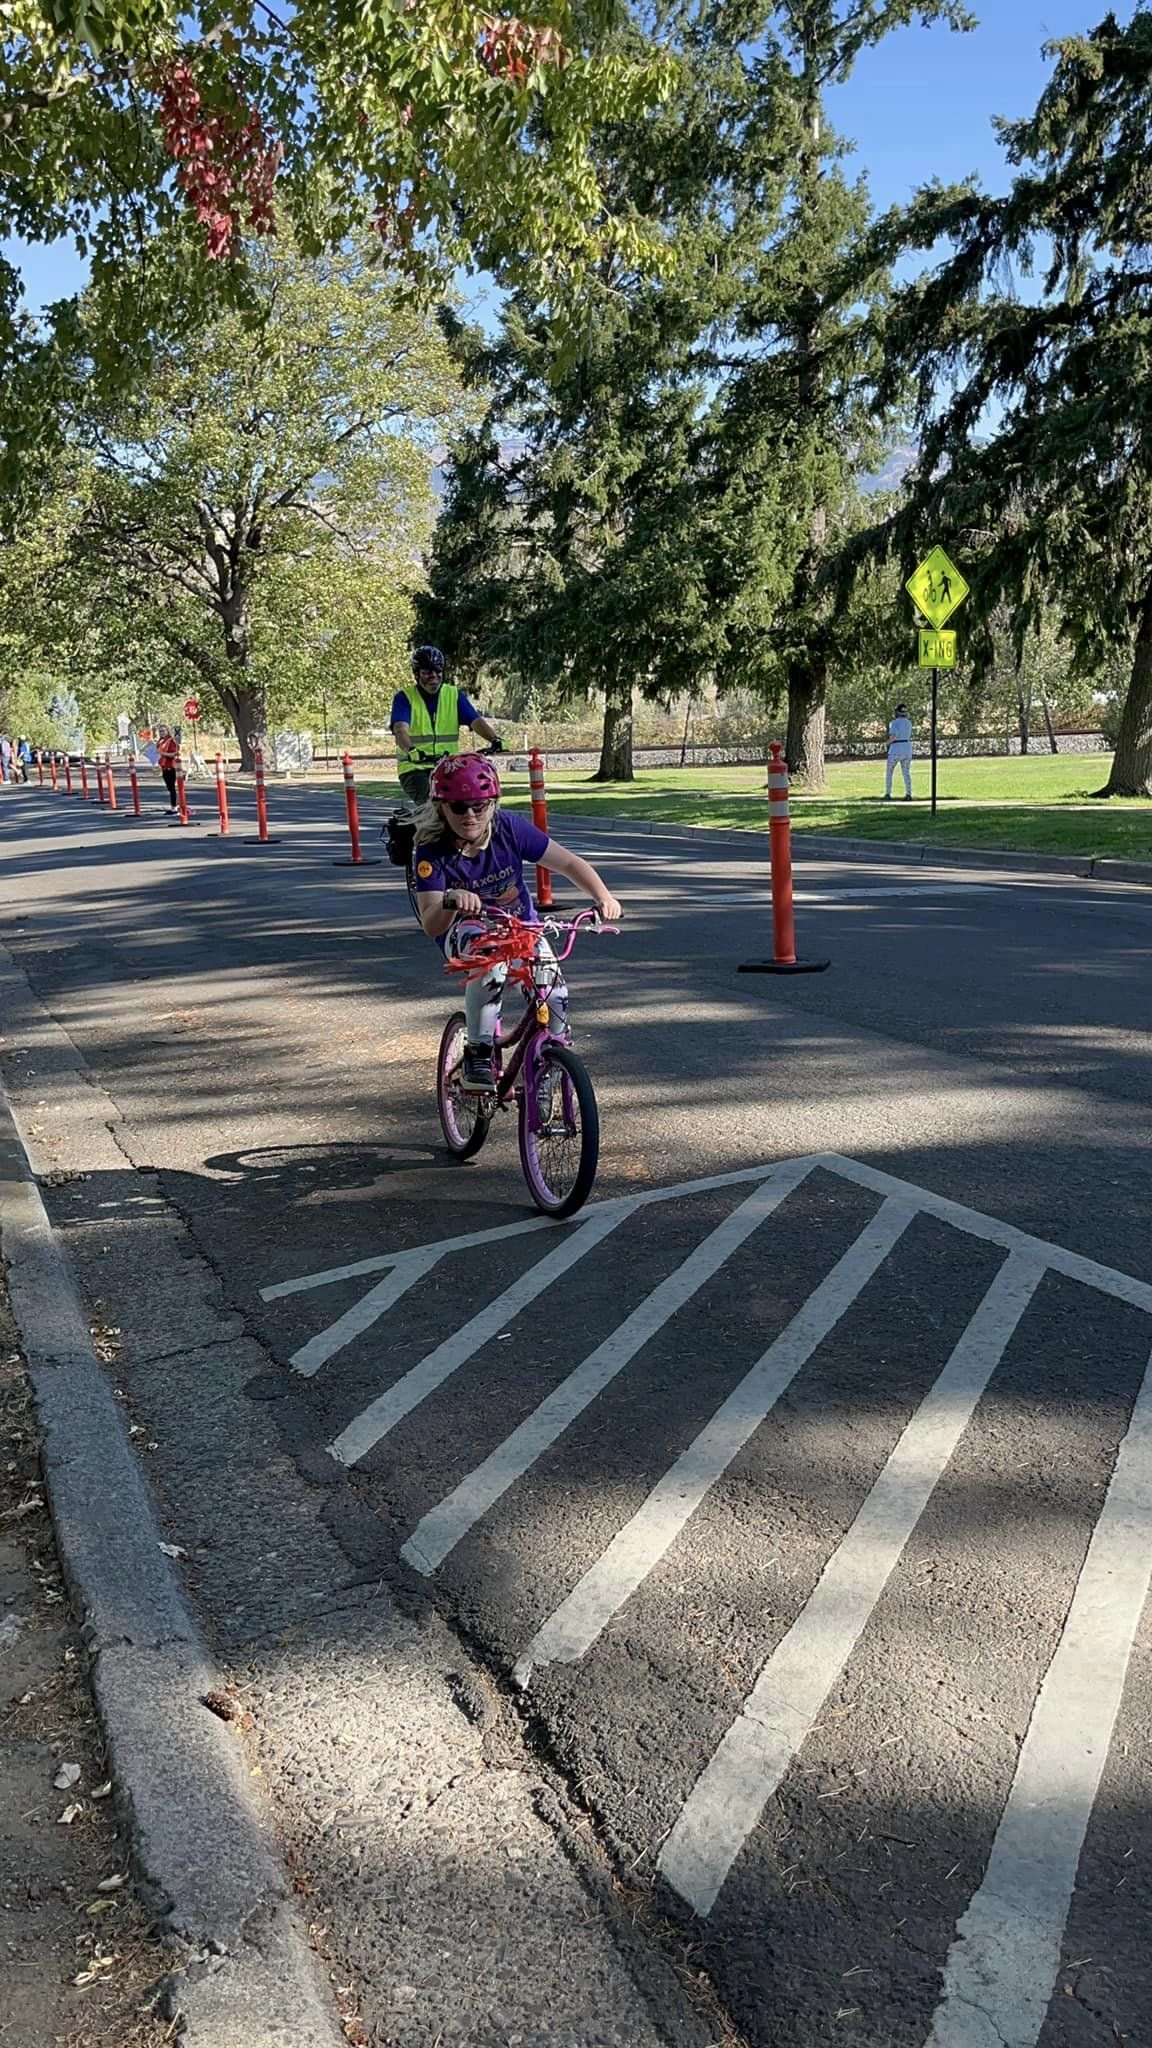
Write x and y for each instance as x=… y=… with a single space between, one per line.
x=616 y=746
x=244 y=699
x=1132 y=763
x=804 y=742
x=1024 y=713
x=245 y=707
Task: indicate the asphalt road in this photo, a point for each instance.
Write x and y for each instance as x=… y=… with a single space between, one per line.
x=799 y=1493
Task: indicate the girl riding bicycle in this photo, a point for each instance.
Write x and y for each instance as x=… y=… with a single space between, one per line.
x=470 y=857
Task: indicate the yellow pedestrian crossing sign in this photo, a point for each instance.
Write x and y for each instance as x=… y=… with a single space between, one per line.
x=937 y=588
x=937 y=650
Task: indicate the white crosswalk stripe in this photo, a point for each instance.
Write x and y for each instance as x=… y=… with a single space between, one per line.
x=1005 y=1954
x=728 y=1800
x=571 y=1631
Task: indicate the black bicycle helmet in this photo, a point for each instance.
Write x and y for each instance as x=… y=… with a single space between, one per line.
x=428 y=658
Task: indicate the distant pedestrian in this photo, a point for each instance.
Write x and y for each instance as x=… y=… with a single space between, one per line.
x=5 y=758
x=899 y=752
x=23 y=757
x=168 y=756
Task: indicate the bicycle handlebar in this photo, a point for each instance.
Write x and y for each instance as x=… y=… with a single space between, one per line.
x=512 y=938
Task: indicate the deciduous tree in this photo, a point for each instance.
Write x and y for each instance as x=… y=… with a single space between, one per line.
x=259 y=505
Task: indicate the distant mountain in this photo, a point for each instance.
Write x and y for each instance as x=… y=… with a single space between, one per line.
x=899 y=462
x=895 y=469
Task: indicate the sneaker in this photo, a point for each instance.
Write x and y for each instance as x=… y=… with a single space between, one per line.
x=478 y=1075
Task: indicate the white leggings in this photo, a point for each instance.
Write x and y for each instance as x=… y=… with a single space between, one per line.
x=482 y=999
x=900 y=751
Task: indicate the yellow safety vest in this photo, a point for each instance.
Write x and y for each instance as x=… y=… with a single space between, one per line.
x=431 y=742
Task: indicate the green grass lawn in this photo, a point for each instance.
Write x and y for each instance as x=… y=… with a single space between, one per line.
x=1042 y=804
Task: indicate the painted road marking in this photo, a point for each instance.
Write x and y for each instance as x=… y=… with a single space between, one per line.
x=360 y=1317
x=1003 y=1964
x=442 y=1246
x=367 y=1429
x=781 y=1710
x=1104 y=1278
x=1004 y=1959
x=570 y=1632
x=443 y=1527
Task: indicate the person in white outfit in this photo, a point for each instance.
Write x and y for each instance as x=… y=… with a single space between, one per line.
x=899 y=750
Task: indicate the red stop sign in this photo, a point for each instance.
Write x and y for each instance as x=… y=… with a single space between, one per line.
x=192 y=707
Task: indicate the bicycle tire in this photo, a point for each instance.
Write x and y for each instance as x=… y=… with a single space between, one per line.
x=413 y=893
x=535 y=1155
x=464 y=1119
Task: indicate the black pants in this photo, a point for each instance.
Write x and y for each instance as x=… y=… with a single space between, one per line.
x=169 y=775
x=415 y=784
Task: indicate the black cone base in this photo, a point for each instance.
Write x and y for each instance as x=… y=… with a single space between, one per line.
x=783 y=966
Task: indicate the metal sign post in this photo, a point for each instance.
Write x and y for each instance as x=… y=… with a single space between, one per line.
x=937 y=589
x=935 y=708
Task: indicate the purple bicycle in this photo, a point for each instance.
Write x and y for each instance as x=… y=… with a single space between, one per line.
x=558 y=1118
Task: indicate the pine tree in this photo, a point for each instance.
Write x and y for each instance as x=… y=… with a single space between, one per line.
x=798 y=423
x=1055 y=503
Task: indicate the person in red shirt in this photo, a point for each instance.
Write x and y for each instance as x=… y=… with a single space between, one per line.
x=168 y=758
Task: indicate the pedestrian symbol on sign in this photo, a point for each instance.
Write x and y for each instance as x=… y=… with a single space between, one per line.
x=937 y=588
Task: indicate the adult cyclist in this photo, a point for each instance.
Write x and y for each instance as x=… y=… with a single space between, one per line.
x=426 y=723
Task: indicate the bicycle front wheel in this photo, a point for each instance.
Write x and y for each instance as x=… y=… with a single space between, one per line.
x=560 y=1154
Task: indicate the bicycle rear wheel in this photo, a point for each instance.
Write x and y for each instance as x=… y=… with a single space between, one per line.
x=464 y=1118
x=560 y=1156
x=413 y=892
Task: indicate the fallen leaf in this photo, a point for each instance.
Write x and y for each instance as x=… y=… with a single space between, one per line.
x=173 y=1550
x=69 y=1814
x=67 y=1776
x=113 y=1883
x=103 y=1791
x=24 y=1507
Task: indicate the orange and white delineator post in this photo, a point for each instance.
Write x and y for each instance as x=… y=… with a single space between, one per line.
x=222 y=796
x=67 y=775
x=111 y=783
x=182 y=794
x=263 y=836
x=780 y=858
x=352 y=804
x=84 y=789
x=134 y=784
x=540 y=819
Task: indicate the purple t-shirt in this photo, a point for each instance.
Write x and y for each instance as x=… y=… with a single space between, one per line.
x=496 y=874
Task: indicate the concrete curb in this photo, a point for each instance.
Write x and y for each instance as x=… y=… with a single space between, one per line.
x=202 y=1851
x=1097 y=867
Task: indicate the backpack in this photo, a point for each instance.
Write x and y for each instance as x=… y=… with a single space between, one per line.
x=400 y=833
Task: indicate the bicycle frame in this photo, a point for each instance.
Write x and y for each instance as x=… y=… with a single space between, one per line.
x=516 y=941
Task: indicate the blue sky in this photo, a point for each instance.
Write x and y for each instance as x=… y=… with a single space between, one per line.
x=922 y=104
x=919 y=106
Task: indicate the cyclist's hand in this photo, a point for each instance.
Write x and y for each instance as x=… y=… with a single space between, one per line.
x=465 y=901
x=609 y=909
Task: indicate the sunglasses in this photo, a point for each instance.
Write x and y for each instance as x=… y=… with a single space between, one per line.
x=462 y=810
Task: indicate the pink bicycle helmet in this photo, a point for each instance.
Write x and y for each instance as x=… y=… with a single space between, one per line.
x=465 y=779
